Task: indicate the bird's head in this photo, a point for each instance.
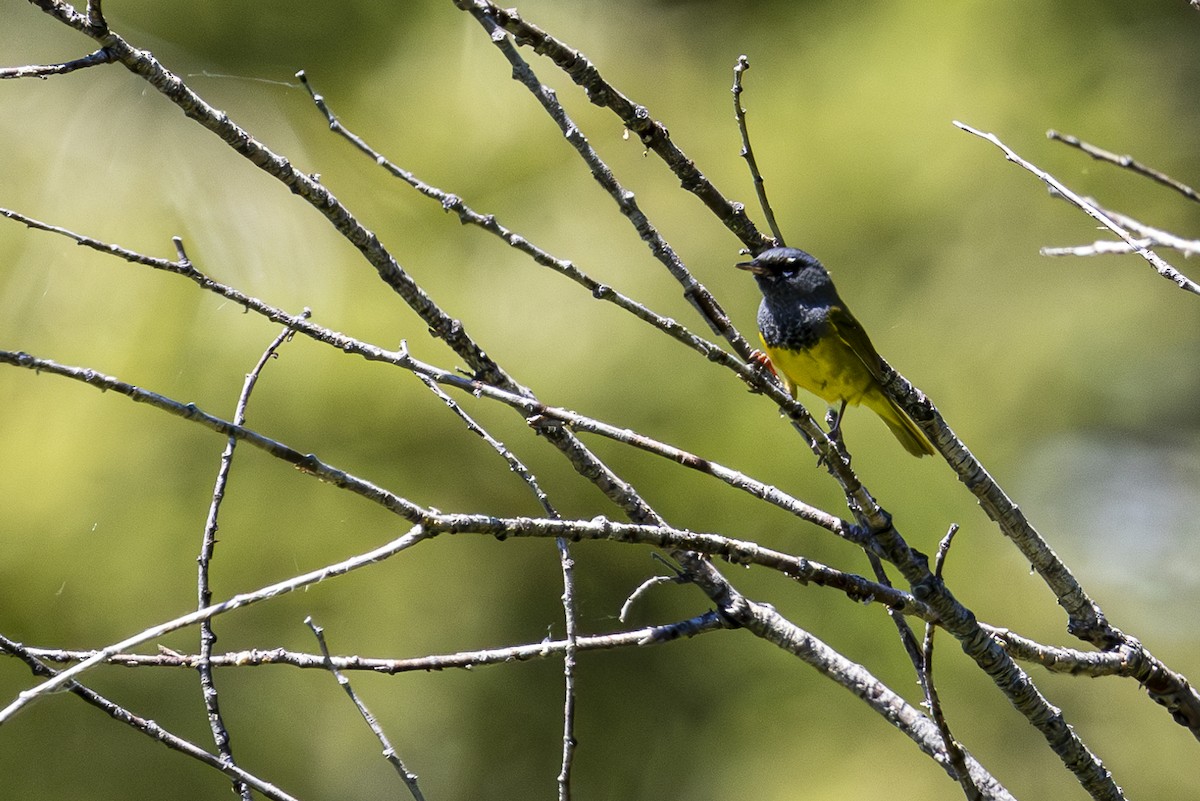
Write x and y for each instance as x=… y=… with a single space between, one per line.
x=787 y=270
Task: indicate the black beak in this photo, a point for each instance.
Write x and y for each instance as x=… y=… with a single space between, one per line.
x=752 y=266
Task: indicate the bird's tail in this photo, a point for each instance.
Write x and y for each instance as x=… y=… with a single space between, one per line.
x=902 y=426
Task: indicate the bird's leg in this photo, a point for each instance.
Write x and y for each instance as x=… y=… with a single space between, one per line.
x=834 y=421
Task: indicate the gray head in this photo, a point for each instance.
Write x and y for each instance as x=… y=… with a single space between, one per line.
x=789 y=275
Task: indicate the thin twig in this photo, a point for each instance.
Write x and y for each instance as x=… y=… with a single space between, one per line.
x=953 y=750
x=566 y=564
x=208 y=637
x=1100 y=247
x=547 y=417
x=389 y=753
x=1055 y=659
x=570 y=618
x=1008 y=677
x=642 y=589
x=1162 y=267
x=488 y=222
x=101 y=56
x=908 y=638
x=635 y=117
x=1126 y=162
x=693 y=291
x=144 y=725
x=760 y=186
x=461 y=660
x=514 y=464
x=1150 y=236
x=767 y=623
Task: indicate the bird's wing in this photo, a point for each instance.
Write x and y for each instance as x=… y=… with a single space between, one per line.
x=848 y=329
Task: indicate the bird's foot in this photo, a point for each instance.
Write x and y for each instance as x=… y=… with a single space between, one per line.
x=763 y=361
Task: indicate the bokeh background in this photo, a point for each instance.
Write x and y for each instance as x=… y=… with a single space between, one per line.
x=1074 y=380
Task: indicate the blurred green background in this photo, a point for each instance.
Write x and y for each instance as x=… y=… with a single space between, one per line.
x=1074 y=380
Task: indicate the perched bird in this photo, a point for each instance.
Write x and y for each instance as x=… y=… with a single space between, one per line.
x=814 y=342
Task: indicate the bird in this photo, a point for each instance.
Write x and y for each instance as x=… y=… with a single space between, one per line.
x=814 y=342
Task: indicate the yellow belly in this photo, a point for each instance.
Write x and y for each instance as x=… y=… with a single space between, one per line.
x=829 y=369
x=833 y=372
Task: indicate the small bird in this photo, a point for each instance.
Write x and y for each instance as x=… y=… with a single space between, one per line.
x=814 y=342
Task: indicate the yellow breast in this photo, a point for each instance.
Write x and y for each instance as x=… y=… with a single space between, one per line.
x=829 y=369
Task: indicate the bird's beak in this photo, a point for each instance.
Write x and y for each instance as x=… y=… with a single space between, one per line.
x=751 y=266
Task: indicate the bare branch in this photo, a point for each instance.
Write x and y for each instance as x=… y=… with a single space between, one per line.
x=760 y=187
x=635 y=638
x=1126 y=162
x=1156 y=261
x=953 y=750
x=488 y=222
x=208 y=637
x=767 y=623
x=636 y=118
x=101 y=56
x=1150 y=237
x=145 y=725
x=389 y=753
x=568 y=575
x=693 y=291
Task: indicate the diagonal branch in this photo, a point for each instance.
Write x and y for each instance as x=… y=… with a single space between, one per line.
x=770 y=625
x=145 y=725
x=636 y=118
x=1127 y=162
x=488 y=222
x=1157 y=262
x=389 y=752
x=308 y=187
x=695 y=292
x=532 y=409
